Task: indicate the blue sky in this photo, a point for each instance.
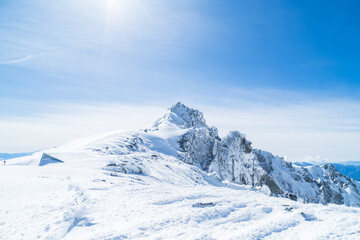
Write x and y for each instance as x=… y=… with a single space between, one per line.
x=291 y=64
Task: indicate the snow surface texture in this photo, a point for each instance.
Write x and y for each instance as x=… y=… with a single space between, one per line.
x=176 y=180
x=58 y=202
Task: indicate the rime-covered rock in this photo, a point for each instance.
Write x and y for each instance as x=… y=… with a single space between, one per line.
x=234 y=160
x=316 y=184
x=197 y=145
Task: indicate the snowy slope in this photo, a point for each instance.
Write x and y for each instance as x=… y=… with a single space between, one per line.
x=59 y=202
x=177 y=179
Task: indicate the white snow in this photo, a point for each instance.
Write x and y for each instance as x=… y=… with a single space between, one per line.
x=54 y=202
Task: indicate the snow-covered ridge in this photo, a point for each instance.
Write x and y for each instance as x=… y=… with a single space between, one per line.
x=181 y=148
x=317 y=184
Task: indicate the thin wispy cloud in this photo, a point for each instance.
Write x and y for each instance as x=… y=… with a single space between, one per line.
x=18 y=60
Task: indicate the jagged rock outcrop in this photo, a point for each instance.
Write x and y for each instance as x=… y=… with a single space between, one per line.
x=234 y=160
x=230 y=158
x=197 y=146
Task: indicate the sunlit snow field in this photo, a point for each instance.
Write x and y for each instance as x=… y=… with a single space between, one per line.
x=54 y=202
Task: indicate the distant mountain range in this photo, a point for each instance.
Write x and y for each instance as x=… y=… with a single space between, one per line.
x=350 y=169
x=6 y=156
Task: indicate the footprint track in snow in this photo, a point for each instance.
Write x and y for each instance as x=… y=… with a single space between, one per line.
x=75 y=212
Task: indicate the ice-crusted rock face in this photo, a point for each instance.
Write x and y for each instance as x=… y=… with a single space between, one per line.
x=197 y=145
x=234 y=160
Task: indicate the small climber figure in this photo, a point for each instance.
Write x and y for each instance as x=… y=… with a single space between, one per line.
x=4 y=162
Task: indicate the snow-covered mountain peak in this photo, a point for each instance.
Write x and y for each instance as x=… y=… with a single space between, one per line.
x=182 y=136
x=182 y=116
